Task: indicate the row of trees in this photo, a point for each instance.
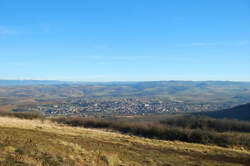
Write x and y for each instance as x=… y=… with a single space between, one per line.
x=206 y=123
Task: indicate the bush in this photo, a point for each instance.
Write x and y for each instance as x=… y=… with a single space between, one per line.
x=205 y=123
x=159 y=131
x=22 y=115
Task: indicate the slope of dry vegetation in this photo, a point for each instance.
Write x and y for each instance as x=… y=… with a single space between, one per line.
x=22 y=115
x=182 y=128
x=36 y=142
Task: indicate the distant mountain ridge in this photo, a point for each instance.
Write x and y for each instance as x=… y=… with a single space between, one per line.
x=241 y=112
x=176 y=91
x=29 y=82
x=134 y=83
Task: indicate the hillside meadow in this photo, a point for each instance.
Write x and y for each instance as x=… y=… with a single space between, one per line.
x=42 y=142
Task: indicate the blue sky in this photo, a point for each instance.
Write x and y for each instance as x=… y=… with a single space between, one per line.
x=125 y=40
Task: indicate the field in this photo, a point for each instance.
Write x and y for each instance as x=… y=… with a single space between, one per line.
x=42 y=142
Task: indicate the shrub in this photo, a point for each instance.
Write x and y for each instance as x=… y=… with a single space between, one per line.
x=22 y=115
x=206 y=123
x=159 y=131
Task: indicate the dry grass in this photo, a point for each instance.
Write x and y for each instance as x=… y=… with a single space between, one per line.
x=36 y=142
x=6 y=108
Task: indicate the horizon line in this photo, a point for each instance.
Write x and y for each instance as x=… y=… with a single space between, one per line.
x=98 y=81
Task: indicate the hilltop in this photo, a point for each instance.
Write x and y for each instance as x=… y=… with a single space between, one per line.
x=241 y=112
x=37 y=142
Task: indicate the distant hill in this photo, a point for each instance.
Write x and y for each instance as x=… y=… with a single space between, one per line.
x=241 y=112
x=180 y=91
x=29 y=82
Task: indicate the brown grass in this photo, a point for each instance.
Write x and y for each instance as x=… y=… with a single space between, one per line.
x=36 y=142
x=154 y=129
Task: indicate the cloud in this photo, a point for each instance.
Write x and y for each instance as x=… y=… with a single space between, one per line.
x=243 y=43
x=19 y=64
x=100 y=47
x=201 y=44
x=7 y=31
x=194 y=44
x=102 y=57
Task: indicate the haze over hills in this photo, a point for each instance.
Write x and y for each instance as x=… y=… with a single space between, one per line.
x=205 y=91
x=19 y=82
x=29 y=82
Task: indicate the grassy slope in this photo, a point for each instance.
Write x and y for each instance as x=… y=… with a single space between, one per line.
x=32 y=142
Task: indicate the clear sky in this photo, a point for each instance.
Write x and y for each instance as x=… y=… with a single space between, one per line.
x=125 y=40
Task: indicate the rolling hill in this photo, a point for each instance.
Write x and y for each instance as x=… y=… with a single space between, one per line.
x=241 y=112
x=186 y=91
